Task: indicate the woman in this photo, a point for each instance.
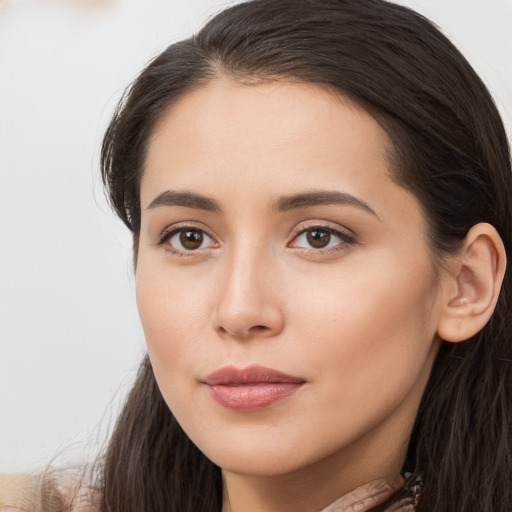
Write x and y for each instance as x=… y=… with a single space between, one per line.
x=319 y=195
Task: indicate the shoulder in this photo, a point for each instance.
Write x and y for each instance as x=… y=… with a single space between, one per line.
x=25 y=492
x=17 y=491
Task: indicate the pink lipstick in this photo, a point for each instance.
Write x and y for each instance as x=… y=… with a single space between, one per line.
x=251 y=389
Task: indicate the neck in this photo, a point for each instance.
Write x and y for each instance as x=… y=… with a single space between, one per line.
x=260 y=496
x=315 y=487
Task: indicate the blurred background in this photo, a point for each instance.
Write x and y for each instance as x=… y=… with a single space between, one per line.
x=70 y=338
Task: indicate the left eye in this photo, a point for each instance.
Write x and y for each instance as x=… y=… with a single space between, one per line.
x=319 y=238
x=187 y=240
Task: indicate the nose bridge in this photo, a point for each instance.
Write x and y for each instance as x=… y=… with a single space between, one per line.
x=248 y=304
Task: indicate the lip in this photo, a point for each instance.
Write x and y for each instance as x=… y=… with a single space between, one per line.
x=251 y=389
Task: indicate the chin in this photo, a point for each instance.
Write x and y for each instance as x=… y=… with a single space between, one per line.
x=266 y=453
x=261 y=464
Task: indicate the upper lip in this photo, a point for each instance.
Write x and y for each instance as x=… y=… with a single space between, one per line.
x=251 y=375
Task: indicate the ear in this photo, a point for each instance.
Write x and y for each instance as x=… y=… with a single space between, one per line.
x=472 y=284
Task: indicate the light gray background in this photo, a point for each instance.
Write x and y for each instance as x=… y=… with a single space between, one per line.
x=70 y=339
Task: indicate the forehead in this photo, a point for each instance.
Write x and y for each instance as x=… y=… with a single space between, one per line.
x=257 y=141
x=250 y=125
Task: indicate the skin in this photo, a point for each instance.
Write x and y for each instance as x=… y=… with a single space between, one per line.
x=356 y=320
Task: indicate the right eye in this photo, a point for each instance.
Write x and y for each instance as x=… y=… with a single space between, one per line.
x=186 y=240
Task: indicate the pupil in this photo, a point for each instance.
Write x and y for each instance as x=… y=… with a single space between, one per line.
x=318 y=239
x=191 y=239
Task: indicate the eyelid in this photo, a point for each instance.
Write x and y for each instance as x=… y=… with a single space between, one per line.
x=323 y=224
x=346 y=236
x=167 y=233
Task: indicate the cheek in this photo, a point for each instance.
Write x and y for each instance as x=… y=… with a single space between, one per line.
x=370 y=331
x=172 y=313
x=171 y=321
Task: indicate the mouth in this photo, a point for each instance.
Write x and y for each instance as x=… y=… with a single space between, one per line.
x=251 y=389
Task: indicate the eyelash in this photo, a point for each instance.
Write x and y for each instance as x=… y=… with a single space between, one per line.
x=345 y=240
x=167 y=235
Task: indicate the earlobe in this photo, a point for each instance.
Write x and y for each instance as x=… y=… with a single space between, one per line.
x=473 y=284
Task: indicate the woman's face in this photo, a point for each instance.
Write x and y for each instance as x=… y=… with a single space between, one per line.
x=284 y=283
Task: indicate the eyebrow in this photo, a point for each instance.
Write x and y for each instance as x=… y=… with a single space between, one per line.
x=187 y=199
x=319 y=198
x=282 y=204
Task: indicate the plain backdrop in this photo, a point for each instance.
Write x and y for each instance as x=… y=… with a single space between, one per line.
x=70 y=339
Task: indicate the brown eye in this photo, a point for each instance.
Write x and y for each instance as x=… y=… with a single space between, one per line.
x=322 y=239
x=318 y=238
x=191 y=239
x=187 y=240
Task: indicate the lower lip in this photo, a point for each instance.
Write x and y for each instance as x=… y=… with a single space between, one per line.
x=253 y=397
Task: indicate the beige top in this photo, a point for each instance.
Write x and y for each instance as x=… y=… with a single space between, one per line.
x=20 y=492
x=32 y=493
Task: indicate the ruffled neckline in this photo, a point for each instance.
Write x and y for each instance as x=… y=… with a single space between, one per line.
x=367 y=496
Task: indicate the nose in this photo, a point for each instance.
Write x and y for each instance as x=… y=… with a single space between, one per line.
x=249 y=304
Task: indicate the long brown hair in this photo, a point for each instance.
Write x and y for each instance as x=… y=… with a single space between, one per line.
x=450 y=150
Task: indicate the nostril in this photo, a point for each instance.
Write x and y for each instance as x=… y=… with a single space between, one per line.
x=259 y=328
x=247 y=322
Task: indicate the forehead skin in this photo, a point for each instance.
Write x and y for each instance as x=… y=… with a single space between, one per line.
x=302 y=139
